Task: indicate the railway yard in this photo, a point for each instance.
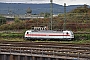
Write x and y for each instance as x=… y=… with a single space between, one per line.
x=43 y=51
x=58 y=34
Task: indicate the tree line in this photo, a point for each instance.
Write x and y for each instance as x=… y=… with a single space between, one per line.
x=76 y=20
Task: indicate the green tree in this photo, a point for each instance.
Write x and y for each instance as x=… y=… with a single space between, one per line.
x=2 y=20
x=81 y=9
x=16 y=20
x=46 y=14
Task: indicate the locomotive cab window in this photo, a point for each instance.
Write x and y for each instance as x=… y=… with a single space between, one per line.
x=27 y=32
x=67 y=33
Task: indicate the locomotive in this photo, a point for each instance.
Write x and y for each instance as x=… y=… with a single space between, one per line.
x=49 y=34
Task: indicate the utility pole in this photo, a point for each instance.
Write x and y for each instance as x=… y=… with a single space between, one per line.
x=64 y=25
x=51 y=9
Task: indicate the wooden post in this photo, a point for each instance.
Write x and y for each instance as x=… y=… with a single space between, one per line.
x=11 y=57
x=57 y=59
x=4 y=57
x=25 y=57
x=18 y=57
x=40 y=58
x=33 y=58
x=48 y=58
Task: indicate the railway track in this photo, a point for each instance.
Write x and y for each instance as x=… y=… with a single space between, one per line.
x=47 y=48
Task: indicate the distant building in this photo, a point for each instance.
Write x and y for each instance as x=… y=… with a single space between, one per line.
x=29 y=11
x=11 y=17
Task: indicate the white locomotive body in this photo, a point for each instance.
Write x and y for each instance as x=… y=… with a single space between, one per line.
x=48 y=34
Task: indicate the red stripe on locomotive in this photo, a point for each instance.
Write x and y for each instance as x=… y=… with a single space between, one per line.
x=46 y=35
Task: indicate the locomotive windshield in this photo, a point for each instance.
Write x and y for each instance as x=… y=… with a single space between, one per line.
x=72 y=33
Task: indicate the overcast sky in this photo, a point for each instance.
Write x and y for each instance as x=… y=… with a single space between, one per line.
x=60 y=2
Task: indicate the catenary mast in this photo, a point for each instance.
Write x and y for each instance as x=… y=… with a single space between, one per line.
x=51 y=9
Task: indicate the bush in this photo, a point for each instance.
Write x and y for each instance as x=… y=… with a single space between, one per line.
x=11 y=35
x=82 y=36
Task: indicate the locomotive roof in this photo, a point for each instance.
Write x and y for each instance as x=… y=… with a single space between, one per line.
x=45 y=31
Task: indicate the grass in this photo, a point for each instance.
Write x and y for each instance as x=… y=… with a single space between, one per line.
x=22 y=40
x=12 y=39
x=81 y=41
